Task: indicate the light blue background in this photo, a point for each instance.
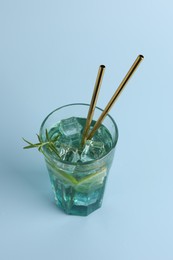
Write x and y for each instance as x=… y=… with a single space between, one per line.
x=50 y=52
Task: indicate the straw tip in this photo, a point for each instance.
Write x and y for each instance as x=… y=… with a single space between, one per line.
x=141 y=56
x=102 y=66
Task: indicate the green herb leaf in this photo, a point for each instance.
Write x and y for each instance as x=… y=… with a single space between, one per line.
x=47 y=135
x=27 y=141
x=49 y=143
x=39 y=139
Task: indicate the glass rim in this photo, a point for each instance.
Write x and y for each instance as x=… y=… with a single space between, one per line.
x=89 y=162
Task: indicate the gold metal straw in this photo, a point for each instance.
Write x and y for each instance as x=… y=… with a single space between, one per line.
x=115 y=96
x=93 y=101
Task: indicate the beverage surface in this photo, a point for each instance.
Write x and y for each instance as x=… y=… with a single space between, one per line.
x=68 y=143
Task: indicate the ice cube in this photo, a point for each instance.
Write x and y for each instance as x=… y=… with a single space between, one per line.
x=71 y=141
x=68 y=154
x=70 y=127
x=92 y=150
x=102 y=135
x=72 y=156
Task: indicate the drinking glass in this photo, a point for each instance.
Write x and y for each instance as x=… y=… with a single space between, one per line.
x=78 y=187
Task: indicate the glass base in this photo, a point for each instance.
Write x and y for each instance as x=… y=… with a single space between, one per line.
x=73 y=202
x=80 y=210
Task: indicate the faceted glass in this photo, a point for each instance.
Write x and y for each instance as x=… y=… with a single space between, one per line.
x=78 y=181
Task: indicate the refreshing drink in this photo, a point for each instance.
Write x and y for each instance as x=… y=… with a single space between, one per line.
x=78 y=173
x=79 y=160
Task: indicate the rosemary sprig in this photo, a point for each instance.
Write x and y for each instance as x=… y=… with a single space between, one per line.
x=49 y=143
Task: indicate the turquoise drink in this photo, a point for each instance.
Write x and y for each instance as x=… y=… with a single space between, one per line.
x=78 y=174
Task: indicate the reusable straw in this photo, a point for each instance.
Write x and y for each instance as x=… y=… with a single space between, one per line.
x=116 y=95
x=93 y=101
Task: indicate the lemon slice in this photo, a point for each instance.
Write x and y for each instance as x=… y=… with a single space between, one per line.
x=91 y=182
